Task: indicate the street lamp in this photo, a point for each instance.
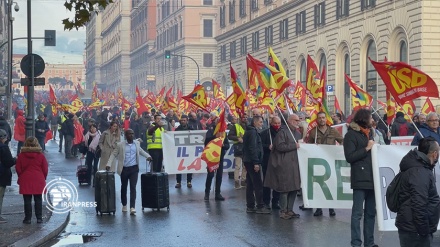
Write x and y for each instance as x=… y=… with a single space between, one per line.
x=10 y=26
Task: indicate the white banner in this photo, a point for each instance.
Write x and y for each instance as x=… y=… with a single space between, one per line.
x=401 y=140
x=182 y=151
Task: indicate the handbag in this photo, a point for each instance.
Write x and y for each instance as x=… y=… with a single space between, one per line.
x=98 y=152
x=82 y=148
x=238 y=149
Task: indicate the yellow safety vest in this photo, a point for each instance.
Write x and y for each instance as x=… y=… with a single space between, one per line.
x=239 y=130
x=63 y=118
x=157 y=143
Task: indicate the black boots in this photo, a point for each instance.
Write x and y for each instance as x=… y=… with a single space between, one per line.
x=28 y=208
x=206 y=196
x=219 y=197
x=39 y=210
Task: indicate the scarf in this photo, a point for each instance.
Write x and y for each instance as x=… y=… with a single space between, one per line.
x=95 y=140
x=366 y=131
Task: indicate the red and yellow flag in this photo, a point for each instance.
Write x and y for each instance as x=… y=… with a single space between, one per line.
x=428 y=107
x=238 y=92
x=120 y=96
x=221 y=125
x=300 y=95
x=125 y=104
x=405 y=82
x=337 y=106
x=409 y=107
x=313 y=87
x=140 y=104
x=275 y=62
x=218 y=94
x=95 y=93
x=211 y=153
x=391 y=108
x=52 y=97
x=198 y=97
x=97 y=104
x=359 y=98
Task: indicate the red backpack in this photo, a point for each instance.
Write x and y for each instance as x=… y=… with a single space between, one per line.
x=403 y=129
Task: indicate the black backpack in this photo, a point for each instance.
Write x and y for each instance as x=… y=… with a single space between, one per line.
x=392 y=194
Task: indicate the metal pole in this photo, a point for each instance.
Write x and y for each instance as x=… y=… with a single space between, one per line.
x=9 y=87
x=198 y=69
x=30 y=127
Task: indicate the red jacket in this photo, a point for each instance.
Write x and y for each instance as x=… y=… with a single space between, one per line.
x=79 y=130
x=19 y=130
x=32 y=171
x=126 y=124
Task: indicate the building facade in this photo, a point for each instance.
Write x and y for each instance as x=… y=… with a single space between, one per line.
x=115 y=66
x=339 y=35
x=142 y=41
x=93 y=58
x=187 y=30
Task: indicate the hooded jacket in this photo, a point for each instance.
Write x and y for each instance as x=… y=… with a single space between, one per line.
x=32 y=171
x=420 y=202
x=426 y=131
x=252 y=146
x=355 y=142
x=396 y=127
x=6 y=162
x=19 y=130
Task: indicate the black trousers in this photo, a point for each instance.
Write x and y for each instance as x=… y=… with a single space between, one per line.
x=412 y=239
x=268 y=192
x=19 y=145
x=254 y=187
x=61 y=140
x=189 y=177
x=131 y=174
x=218 y=177
x=92 y=165
x=157 y=156
x=38 y=200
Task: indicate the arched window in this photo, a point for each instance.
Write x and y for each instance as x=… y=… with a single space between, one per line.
x=347 y=94
x=403 y=51
x=302 y=72
x=322 y=63
x=371 y=74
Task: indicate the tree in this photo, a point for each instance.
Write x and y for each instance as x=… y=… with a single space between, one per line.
x=83 y=11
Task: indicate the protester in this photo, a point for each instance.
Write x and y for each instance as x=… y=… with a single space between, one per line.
x=6 y=162
x=337 y=118
x=91 y=141
x=184 y=127
x=236 y=133
x=32 y=169
x=193 y=122
x=41 y=128
x=53 y=126
x=378 y=134
x=401 y=127
x=135 y=126
x=78 y=137
x=418 y=215
x=68 y=130
x=357 y=149
x=154 y=140
x=4 y=125
x=19 y=130
x=60 y=121
x=107 y=143
x=430 y=128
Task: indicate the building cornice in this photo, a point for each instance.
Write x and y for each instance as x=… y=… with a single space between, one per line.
x=115 y=22
x=263 y=18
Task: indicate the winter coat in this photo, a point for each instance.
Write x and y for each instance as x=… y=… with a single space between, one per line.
x=6 y=162
x=282 y=173
x=4 y=125
x=41 y=125
x=329 y=137
x=396 y=126
x=32 y=171
x=194 y=124
x=209 y=137
x=418 y=197
x=426 y=131
x=134 y=125
x=67 y=128
x=359 y=158
x=181 y=128
x=19 y=130
x=78 y=133
x=107 y=143
x=267 y=139
x=252 y=146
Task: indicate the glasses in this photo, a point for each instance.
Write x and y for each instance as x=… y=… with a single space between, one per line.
x=296 y=119
x=433 y=120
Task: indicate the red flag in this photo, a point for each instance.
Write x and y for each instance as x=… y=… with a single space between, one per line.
x=211 y=153
x=313 y=87
x=391 y=108
x=359 y=97
x=428 y=107
x=52 y=97
x=239 y=94
x=198 y=97
x=405 y=82
x=337 y=106
x=221 y=126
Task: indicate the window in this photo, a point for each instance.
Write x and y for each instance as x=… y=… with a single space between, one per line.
x=403 y=51
x=301 y=22
x=254 y=5
x=342 y=8
x=207 y=28
x=242 y=8
x=319 y=14
x=284 y=29
x=243 y=45
x=268 y=35
x=175 y=62
x=232 y=50
x=371 y=74
x=207 y=2
x=323 y=64
x=232 y=11
x=223 y=53
x=207 y=60
x=367 y=4
x=181 y=29
x=302 y=72
x=255 y=41
x=223 y=16
x=267 y=2
x=347 y=93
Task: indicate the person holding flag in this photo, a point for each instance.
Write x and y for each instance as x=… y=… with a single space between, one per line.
x=431 y=128
x=184 y=126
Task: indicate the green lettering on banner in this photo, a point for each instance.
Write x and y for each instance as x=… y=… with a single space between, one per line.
x=342 y=179
x=312 y=162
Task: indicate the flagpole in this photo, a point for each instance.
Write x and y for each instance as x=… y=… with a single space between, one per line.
x=410 y=118
x=282 y=115
x=268 y=124
x=380 y=118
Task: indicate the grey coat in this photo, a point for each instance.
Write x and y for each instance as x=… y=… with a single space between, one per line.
x=283 y=170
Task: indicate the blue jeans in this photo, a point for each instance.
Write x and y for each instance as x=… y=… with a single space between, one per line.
x=369 y=212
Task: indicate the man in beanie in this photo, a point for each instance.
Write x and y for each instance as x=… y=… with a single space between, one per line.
x=6 y=162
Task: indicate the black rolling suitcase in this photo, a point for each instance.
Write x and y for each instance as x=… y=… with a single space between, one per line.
x=81 y=173
x=105 y=192
x=155 y=190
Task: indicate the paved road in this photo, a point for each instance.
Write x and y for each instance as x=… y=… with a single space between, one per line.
x=193 y=222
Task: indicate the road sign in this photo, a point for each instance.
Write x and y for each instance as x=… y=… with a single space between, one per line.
x=37 y=81
x=26 y=63
x=330 y=88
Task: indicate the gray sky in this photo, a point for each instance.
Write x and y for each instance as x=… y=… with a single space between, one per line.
x=47 y=15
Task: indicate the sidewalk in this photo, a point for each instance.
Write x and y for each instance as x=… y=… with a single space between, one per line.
x=14 y=232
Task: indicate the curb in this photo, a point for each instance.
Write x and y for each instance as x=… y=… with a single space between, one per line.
x=51 y=229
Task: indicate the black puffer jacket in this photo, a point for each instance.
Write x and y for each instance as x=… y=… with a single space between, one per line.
x=6 y=162
x=355 y=143
x=252 y=146
x=6 y=127
x=420 y=202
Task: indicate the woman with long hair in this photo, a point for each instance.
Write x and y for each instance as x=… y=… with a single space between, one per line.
x=107 y=143
x=32 y=171
x=91 y=140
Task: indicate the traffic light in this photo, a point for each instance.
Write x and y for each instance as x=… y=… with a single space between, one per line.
x=49 y=38
x=167 y=54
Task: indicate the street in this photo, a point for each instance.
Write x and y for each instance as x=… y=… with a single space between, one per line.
x=194 y=222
